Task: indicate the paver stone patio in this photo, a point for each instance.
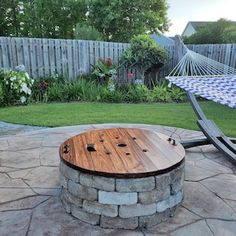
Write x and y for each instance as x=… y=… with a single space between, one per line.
x=30 y=187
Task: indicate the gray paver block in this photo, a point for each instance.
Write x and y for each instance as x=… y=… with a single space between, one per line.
x=119 y=223
x=135 y=185
x=103 y=183
x=162 y=181
x=137 y=210
x=85 y=216
x=69 y=198
x=100 y=209
x=117 y=198
x=157 y=218
x=68 y=172
x=153 y=196
x=82 y=192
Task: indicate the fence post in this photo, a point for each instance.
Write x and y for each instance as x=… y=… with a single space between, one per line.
x=179 y=49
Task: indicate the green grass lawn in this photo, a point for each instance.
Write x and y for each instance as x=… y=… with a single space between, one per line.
x=63 y=114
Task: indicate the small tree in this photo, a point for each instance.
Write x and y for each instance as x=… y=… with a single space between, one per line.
x=143 y=55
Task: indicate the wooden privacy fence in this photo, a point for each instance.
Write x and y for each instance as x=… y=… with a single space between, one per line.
x=47 y=57
x=224 y=53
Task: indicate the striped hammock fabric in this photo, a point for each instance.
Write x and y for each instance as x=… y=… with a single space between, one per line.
x=205 y=77
x=218 y=89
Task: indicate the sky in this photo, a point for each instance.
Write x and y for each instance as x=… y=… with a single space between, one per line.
x=182 y=11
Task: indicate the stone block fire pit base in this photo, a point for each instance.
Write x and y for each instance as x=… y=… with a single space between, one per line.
x=121 y=203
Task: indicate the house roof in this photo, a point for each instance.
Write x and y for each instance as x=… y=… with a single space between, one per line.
x=197 y=24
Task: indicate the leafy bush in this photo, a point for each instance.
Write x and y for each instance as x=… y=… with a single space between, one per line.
x=41 y=86
x=137 y=93
x=57 y=89
x=77 y=90
x=104 y=71
x=15 y=87
x=177 y=94
x=115 y=96
x=161 y=93
x=143 y=55
x=1 y=96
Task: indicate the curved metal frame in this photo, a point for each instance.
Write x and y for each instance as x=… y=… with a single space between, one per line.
x=213 y=134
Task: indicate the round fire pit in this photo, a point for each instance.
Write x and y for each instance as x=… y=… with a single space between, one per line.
x=121 y=178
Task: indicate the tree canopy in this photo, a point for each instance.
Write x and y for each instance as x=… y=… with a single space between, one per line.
x=221 y=31
x=9 y=18
x=41 y=18
x=115 y=20
x=86 y=32
x=52 y=18
x=120 y=20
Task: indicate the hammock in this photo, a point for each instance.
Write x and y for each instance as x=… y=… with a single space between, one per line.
x=211 y=80
x=206 y=78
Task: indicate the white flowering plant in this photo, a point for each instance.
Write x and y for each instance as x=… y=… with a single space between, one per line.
x=16 y=86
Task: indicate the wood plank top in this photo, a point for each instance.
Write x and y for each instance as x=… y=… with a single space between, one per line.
x=122 y=152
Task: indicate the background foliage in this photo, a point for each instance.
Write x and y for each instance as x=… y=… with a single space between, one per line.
x=221 y=31
x=113 y=20
x=120 y=20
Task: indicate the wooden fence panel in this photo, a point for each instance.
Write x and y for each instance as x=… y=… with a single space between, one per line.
x=48 y=57
x=224 y=53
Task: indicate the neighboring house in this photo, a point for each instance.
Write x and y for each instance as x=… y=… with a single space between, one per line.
x=193 y=26
x=162 y=40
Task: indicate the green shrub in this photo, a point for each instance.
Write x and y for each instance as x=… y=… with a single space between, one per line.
x=137 y=93
x=76 y=90
x=1 y=97
x=57 y=89
x=160 y=93
x=41 y=86
x=55 y=93
x=177 y=94
x=104 y=71
x=115 y=96
x=143 y=55
x=163 y=93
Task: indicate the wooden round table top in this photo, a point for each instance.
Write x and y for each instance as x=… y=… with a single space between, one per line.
x=122 y=152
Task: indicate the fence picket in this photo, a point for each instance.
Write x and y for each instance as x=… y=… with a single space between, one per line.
x=5 y=54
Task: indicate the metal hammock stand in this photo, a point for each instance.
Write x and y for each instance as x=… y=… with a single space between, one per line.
x=212 y=80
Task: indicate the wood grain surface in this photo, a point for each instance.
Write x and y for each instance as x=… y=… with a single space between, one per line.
x=121 y=152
